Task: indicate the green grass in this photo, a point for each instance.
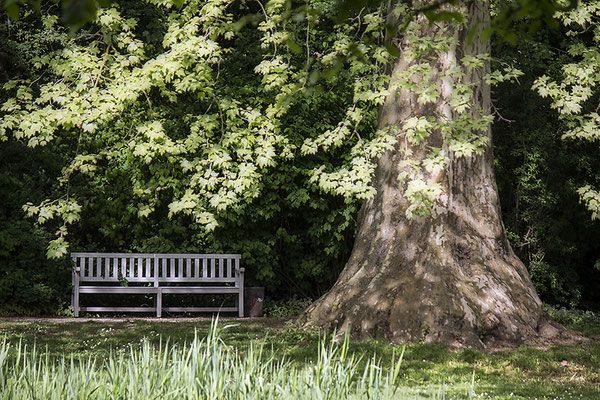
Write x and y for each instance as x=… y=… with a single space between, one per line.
x=427 y=371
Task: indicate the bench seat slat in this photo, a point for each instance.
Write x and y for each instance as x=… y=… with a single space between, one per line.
x=200 y=309
x=199 y=289
x=134 y=279
x=196 y=280
x=118 y=289
x=118 y=309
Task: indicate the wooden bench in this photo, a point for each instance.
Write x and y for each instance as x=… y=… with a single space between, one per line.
x=157 y=274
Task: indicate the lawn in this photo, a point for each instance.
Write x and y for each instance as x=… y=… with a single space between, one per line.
x=426 y=370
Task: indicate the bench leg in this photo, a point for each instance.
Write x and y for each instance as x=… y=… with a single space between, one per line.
x=159 y=304
x=75 y=302
x=241 y=303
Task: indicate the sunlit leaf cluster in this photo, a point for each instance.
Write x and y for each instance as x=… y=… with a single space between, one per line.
x=574 y=94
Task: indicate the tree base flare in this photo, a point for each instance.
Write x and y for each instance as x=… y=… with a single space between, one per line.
x=451 y=307
x=450 y=277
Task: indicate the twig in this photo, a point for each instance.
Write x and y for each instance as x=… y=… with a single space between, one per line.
x=102 y=66
x=496 y=111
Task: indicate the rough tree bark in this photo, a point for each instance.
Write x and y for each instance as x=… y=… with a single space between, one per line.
x=451 y=276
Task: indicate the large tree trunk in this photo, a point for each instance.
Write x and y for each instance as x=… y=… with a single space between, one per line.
x=451 y=276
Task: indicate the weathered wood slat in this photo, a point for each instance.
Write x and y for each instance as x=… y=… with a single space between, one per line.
x=200 y=309
x=118 y=289
x=135 y=279
x=118 y=309
x=161 y=280
x=194 y=280
x=199 y=290
x=158 y=255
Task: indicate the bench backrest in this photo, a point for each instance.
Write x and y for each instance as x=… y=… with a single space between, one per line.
x=183 y=268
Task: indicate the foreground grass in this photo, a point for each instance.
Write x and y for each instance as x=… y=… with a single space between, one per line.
x=427 y=371
x=203 y=369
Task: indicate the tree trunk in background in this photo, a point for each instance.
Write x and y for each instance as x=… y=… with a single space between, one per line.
x=452 y=276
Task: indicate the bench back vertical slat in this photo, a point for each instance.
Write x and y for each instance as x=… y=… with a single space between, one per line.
x=212 y=267
x=155 y=265
x=82 y=266
x=221 y=267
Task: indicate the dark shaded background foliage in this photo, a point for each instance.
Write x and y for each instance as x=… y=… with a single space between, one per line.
x=538 y=174
x=296 y=245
